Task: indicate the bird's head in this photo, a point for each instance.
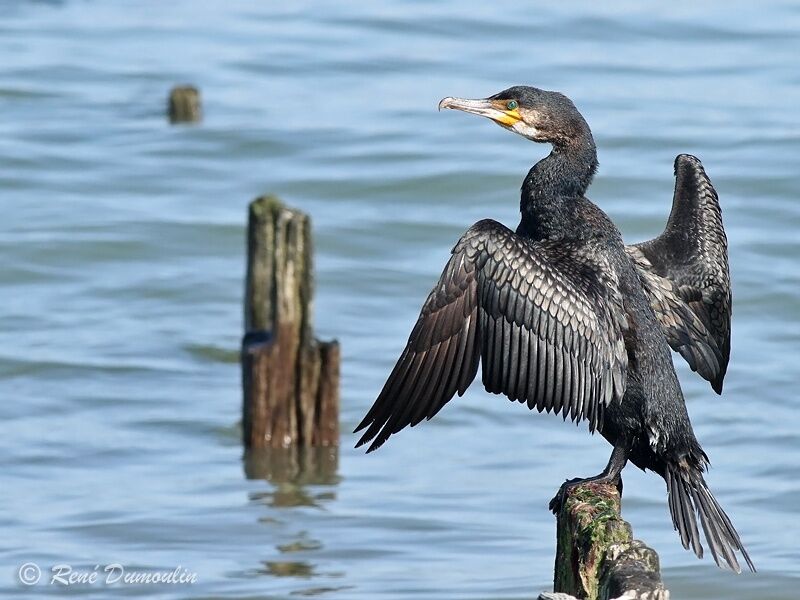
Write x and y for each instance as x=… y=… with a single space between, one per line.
x=535 y=114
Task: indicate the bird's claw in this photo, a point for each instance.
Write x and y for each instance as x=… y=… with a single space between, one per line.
x=558 y=500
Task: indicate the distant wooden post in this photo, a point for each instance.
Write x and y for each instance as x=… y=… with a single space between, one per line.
x=596 y=555
x=184 y=104
x=290 y=379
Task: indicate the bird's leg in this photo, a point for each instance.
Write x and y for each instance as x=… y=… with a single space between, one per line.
x=611 y=474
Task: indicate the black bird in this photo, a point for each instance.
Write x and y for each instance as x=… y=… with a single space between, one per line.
x=563 y=316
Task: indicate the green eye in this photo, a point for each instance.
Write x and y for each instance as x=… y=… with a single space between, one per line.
x=512 y=105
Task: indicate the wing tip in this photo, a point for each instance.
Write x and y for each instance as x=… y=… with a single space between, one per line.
x=376 y=439
x=687 y=159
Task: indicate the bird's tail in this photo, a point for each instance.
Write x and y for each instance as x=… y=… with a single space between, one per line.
x=689 y=497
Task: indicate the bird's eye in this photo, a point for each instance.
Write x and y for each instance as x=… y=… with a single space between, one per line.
x=512 y=105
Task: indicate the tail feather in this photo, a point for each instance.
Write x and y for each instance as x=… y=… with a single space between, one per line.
x=690 y=498
x=683 y=517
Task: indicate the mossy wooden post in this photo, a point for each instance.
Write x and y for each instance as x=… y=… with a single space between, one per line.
x=184 y=104
x=290 y=379
x=596 y=555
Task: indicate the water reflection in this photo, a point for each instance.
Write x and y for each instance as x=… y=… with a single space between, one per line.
x=288 y=569
x=296 y=477
x=301 y=545
x=300 y=466
x=290 y=471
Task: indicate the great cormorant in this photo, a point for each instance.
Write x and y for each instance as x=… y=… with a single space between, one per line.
x=565 y=317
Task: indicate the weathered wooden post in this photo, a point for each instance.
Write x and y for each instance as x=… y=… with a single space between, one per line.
x=184 y=104
x=596 y=555
x=290 y=379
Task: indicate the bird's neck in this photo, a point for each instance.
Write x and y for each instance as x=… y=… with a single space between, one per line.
x=553 y=185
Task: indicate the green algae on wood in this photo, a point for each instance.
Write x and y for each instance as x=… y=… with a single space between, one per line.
x=596 y=555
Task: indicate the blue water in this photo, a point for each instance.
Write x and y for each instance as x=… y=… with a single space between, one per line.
x=122 y=244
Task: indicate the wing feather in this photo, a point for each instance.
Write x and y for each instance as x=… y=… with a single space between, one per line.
x=546 y=320
x=685 y=272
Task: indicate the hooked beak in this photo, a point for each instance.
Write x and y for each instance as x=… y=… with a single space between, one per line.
x=491 y=109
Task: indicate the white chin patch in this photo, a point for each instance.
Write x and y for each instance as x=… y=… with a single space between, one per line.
x=525 y=130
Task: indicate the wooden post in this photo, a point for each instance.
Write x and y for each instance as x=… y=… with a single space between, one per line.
x=596 y=555
x=184 y=104
x=290 y=379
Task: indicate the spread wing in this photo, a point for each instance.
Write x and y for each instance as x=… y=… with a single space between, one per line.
x=545 y=321
x=685 y=271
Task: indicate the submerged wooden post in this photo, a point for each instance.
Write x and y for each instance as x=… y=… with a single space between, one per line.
x=290 y=379
x=596 y=555
x=184 y=104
